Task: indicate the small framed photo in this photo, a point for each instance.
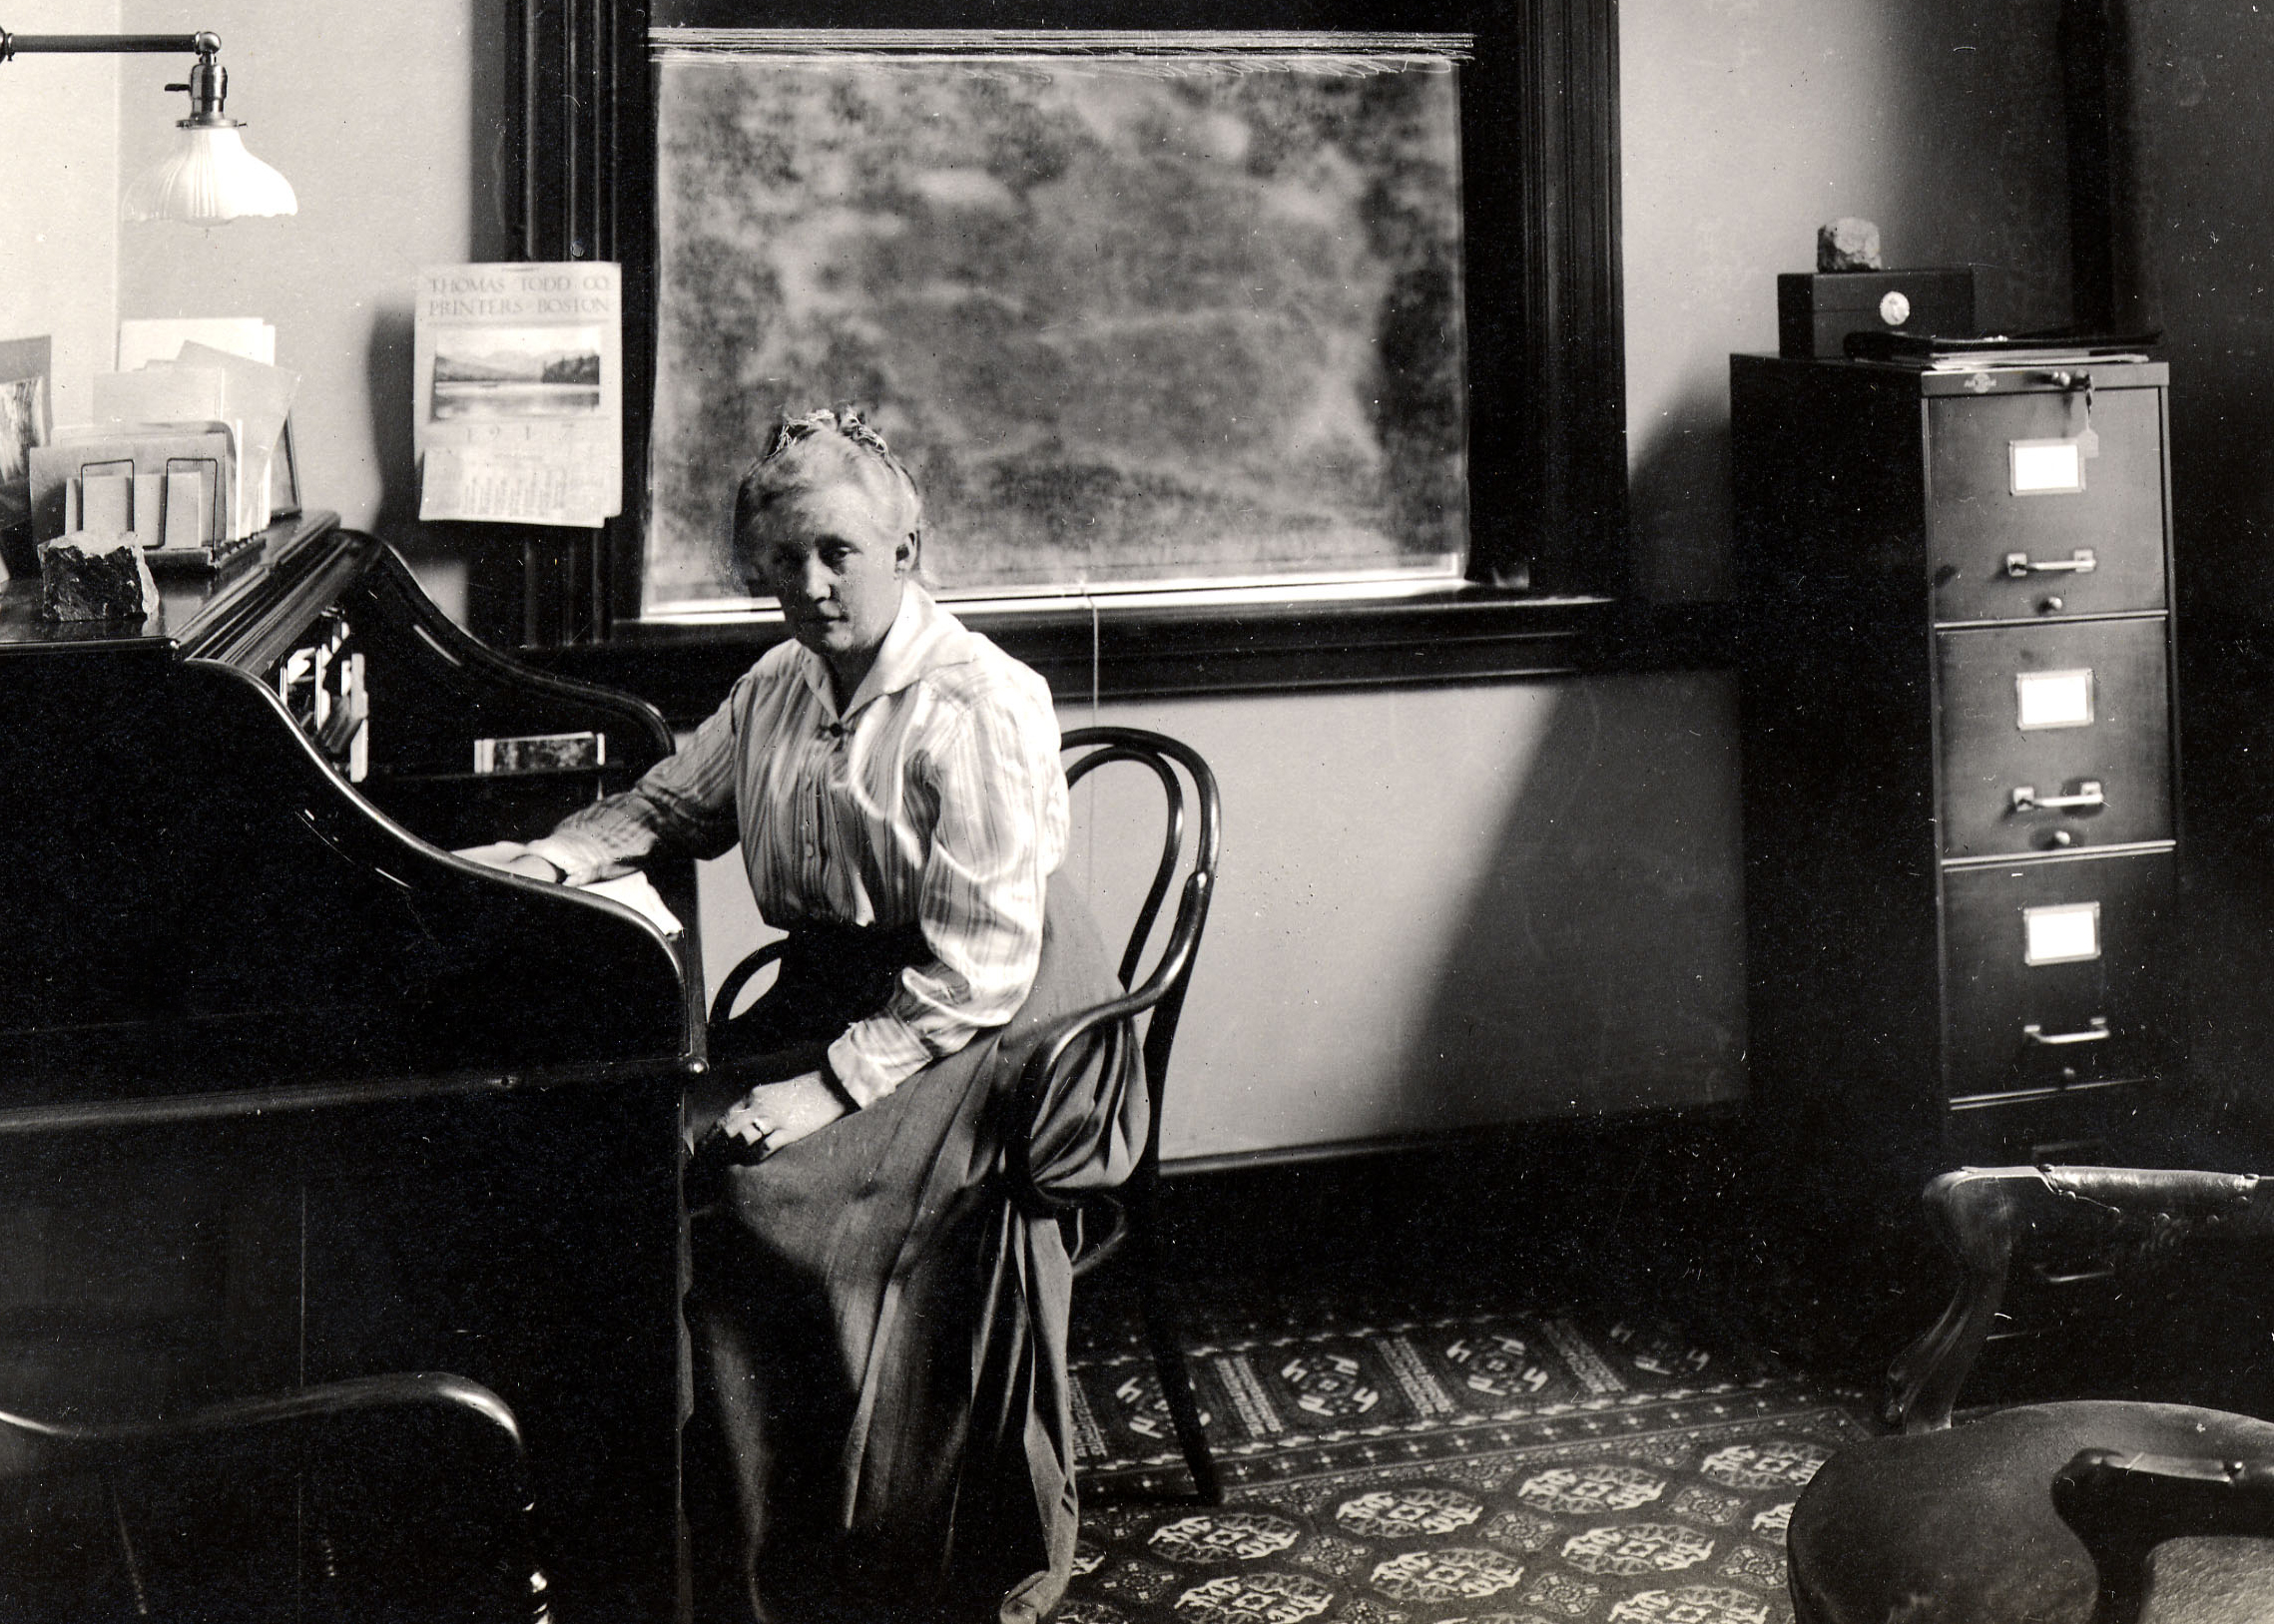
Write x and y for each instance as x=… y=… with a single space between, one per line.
x=26 y=421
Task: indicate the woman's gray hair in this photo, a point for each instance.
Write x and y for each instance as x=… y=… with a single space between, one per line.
x=818 y=447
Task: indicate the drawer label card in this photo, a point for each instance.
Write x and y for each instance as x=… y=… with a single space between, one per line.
x=2045 y=467
x=2053 y=699
x=2060 y=933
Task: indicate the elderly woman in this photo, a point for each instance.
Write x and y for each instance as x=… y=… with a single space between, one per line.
x=881 y=1426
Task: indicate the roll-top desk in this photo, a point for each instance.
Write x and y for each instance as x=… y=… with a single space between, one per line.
x=288 y=1093
x=1959 y=760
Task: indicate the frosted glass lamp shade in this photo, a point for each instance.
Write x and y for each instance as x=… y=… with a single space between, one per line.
x=209 y=180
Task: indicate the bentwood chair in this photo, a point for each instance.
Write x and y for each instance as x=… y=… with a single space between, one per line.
x=385 y=1500
x=1100 y=1224
x=2081 y=1512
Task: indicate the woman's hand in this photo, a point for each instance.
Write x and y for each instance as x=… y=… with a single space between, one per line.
x=513 y=858
x=773 y=1115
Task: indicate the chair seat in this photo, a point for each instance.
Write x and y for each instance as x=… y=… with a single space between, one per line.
x=1958 y=1526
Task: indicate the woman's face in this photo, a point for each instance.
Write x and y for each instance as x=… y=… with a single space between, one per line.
x=829 y=553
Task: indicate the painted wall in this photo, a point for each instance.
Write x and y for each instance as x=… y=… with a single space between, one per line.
x=2201 y=252
x=59 y=197
x=1439 y=908
x=1744 y=124
x=386 y=121
x=2197 y=257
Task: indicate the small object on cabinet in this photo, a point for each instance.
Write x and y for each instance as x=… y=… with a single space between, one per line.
x=1848 y=244
x=113 y=477
x=1817 y=312
x=87 y=577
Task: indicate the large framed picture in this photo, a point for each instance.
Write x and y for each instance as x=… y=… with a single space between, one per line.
x=1144 y=311
x=1234 y=345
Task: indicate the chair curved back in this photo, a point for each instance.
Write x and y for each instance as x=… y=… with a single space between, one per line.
x=403 y=1496
x=1191 y=842
x=2048 y=1510
x=1171 y=975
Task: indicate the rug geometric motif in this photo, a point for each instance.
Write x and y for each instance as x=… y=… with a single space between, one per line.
x=1354 y=1395
x=1574 y=1484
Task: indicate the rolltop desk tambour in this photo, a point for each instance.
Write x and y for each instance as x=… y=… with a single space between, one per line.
x=1959 y=758
x=288 y=1093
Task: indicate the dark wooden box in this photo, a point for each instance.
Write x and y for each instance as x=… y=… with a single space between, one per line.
x=1816 y=311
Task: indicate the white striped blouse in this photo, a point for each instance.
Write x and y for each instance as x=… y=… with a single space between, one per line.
x=935 y=799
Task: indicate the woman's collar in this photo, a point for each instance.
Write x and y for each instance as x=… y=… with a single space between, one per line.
x=924 y=638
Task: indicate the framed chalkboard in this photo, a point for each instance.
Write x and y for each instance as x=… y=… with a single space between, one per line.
x=1197 y=302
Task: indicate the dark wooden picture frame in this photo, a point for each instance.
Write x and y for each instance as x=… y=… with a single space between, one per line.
x=1547 y=454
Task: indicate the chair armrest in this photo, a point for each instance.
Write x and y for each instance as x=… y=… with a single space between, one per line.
x=1980 y=1213
x=723 y=1005
x=1037 y=1083
x=2123 y=1505
x=329 y=1400
x=1038 y=1079
x=410 y=1489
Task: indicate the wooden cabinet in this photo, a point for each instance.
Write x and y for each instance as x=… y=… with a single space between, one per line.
x=1959 y=758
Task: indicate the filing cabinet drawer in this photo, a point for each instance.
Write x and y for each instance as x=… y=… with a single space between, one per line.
x=2055 y=737
x=2016 y=511
x=2107 y=1126
x=2056 y=973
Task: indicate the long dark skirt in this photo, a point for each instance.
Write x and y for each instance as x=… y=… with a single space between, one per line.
x=882 y=1432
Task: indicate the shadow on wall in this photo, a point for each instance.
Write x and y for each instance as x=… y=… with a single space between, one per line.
x=387 y=366
x=1599 y=965
x=1678 y=491
x=2227 y=875
x=438 y=557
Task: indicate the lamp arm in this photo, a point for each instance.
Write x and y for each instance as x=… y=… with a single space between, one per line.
x=209 y=79
x=205 y=44
x=211 y=178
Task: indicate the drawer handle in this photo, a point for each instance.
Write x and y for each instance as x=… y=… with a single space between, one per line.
x=2019 y=566
x=2098 y=1032
x=2088 y=799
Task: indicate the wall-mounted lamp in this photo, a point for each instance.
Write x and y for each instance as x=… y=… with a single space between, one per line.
x=209 y=179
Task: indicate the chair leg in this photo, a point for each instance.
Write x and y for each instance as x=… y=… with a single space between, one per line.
x=1164 y=1336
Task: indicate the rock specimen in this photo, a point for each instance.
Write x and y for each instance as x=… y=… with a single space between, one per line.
x=86 y=576
x=1848 y=244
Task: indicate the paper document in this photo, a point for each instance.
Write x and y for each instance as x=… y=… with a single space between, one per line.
x=502 y=482
x=143 y=339
x=260 y=397
x=638 y=894
x=162 y=394
x=519 y=392
x=201 y=382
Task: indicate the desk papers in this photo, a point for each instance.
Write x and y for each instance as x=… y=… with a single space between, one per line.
x=637 y=892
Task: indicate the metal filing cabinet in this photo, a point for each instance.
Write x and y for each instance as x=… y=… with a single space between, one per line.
x=1959 y=758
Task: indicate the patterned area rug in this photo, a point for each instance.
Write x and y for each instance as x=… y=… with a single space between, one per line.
x=1476 y=1466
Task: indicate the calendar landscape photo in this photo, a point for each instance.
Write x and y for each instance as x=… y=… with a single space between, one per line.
x=1130 y=322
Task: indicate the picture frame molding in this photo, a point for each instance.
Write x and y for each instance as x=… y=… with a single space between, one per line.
x=1548 y=566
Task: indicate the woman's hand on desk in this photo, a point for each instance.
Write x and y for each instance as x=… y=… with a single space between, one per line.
x=773 y=1115
x=513 y=858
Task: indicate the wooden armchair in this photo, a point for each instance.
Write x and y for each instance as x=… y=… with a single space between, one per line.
x=387 y=1499
x=2081 y=1512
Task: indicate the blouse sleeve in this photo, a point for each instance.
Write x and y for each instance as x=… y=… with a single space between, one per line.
x=1000 y=792
x=683 y=805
